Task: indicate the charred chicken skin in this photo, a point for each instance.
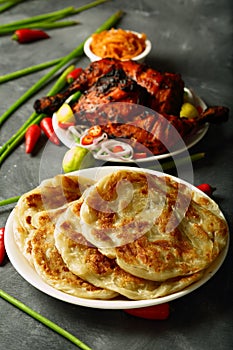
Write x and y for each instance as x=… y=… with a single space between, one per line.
x=108 y=82
x=165 y=89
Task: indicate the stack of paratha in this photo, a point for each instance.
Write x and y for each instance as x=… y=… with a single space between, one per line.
x=33 y=226
x=131 y=233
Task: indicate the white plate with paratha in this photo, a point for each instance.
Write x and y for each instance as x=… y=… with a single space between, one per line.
x=23 y=267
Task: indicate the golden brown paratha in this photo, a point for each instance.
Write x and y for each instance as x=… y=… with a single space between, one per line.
x=52 y=193
x=121 y=207
x=49 y=264
x=131 y=233
x=90 y=264
x=186 y=232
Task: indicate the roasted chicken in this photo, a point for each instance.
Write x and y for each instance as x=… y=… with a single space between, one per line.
x=115 y=95
x=165 y=89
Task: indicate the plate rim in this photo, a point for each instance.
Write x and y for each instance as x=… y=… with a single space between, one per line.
x=190 y=142
x=23 y=267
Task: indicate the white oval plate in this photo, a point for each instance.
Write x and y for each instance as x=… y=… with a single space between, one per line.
x=23 y=267
x=66 y=138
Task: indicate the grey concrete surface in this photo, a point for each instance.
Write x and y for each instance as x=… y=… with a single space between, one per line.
x=193 y=38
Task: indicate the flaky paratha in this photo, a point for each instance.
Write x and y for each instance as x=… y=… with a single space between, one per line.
x=190 y=247
x=186 y=236
x=89 y=263
x=137 y=234
x=121 y=207
x=52 y=193
x=49 y=264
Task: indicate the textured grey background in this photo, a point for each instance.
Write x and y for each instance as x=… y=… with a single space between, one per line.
x=193 y=37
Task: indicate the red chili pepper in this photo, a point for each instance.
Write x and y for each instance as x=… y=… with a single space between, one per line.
x=31 y=137
x=95 y=131
x=25 y=35
x=155 y=312
x=65 y=125
x=47 y=127
x=73 y=75
x=87 y=140
x=206 y=188
x=2 y=247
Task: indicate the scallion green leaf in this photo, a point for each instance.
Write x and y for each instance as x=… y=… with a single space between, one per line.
x=37 y=316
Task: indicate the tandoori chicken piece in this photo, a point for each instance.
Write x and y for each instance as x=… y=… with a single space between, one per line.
x=165 y=89
x=158 y=133
x=134 y=102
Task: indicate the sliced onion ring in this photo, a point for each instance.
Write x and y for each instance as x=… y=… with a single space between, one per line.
x=106 y=150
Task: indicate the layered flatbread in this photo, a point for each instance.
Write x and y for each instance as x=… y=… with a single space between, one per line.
x=132 y=233
x=185 y=235
x=49 y=264
x=52 y=193
x=88 y=262
x=121 y=207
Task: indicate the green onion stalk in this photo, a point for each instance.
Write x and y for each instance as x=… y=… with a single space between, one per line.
x=8 y=4
x=35 y=118
x=39 y=18
x=9 y=201
x=38 y=25
x=55 y=15
x=44 y=320
x=28 y=70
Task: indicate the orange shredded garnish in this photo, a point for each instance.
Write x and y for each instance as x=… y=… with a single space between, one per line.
x=118 y=43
